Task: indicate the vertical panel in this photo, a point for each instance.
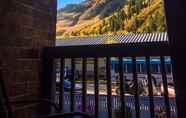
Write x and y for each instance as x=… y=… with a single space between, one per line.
x=96 y=85
x=84 y=90
x=72 y=91
x=109 y=88
x=150 y=87
x=122 y=87
x=165 y=87
x=61 y=86
x=137 y=107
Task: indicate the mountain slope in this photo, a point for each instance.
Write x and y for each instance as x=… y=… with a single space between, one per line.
x=98 y=17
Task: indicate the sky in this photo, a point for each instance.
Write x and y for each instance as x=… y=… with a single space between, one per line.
x=62 y=3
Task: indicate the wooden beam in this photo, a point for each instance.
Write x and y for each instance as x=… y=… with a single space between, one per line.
x=176 y=20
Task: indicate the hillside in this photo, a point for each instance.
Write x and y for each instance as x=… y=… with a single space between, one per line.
x=99 y=17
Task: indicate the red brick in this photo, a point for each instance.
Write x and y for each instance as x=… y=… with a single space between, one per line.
x=27 y=27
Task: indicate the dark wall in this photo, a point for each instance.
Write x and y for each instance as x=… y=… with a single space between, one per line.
x=26 y=26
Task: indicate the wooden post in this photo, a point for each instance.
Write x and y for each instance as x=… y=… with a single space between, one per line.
x=176 y=20
x=47 y=73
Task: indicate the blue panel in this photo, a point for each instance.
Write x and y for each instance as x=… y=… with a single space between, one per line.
x=141 y=61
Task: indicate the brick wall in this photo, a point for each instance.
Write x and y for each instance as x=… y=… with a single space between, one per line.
x=26 y=26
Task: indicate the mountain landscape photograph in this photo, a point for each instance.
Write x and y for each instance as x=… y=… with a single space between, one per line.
x=110 y=17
